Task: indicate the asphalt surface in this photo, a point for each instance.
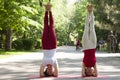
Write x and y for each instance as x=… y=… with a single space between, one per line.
x=26 y=67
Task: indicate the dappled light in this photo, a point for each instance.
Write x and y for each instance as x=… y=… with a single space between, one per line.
x=69 y=60
x=22 y=24
x=23 y=21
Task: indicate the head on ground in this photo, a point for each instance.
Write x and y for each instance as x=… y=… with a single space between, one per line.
x=89 y=71
x=49 y=70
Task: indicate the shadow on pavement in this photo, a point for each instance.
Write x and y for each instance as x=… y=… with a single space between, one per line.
x=68 y=65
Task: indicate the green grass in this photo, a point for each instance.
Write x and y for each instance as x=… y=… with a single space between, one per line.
x=5 y=54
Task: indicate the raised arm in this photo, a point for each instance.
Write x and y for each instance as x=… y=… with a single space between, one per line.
x=83 y=70
x=56 y=70
x=95 y=71
x=42 y=71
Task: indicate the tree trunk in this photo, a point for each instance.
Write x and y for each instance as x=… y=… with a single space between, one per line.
x=0 y=40
x=8 y=44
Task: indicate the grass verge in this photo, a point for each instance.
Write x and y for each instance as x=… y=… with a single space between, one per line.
x=5 y=54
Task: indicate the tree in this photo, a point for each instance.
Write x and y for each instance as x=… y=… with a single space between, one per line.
x=14 y=18
x=107 y=13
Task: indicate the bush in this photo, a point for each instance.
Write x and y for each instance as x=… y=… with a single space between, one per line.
x=28 y=44
x=38 y=44
x=23 y=44
x=18 y=44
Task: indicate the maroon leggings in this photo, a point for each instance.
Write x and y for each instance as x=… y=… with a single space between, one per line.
x=49 y=40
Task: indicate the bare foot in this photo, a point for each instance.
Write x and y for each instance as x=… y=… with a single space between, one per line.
x=90 y=8
x=48 y=7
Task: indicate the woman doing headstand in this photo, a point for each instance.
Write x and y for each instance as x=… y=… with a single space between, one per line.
x=49 y=66
x=89 y=42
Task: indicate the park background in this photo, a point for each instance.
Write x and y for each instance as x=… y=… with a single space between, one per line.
x=21 y=27
x=21 y=22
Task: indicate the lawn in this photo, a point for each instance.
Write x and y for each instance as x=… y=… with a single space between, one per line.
x=5 y=54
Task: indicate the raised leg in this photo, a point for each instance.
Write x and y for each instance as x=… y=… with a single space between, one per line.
x=51 y=19
x=46 y=19
x=85 y=37
x=93 y=39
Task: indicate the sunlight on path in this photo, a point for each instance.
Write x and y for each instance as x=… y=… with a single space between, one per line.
x=19 y=67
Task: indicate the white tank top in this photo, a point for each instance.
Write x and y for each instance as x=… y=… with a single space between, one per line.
x=49 y=57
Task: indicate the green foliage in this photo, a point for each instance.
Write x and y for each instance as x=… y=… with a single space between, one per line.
x=68 y=21
x=107 y=14
x=102 y=33
x=77 y=21
x=24 y=44
x=28 y=44
x=38 y=44
x=25 y=19
x=18 y=44
x=22 y=17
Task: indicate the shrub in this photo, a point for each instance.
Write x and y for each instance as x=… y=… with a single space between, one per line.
x=38 y=44
x=23 y=44
x=28 y=44
x=18 y=44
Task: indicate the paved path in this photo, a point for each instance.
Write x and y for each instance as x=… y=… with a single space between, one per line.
x=23 y=67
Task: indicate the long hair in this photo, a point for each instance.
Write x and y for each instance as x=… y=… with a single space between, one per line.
x=46 y=73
